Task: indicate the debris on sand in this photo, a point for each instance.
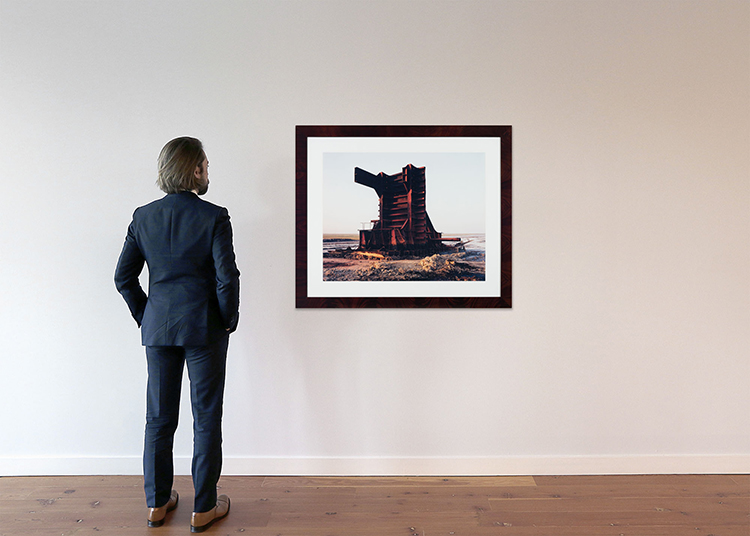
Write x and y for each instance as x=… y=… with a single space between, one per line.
x=438 y=267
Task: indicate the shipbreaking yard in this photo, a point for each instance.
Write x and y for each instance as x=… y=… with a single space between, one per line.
x=402 y=244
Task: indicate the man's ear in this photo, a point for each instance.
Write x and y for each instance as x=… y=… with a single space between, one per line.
x=197 y=172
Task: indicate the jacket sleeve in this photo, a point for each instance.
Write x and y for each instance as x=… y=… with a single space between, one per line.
x=129 y=267
x=227 y=274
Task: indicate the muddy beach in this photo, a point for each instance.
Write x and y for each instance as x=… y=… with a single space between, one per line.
x=351 y=266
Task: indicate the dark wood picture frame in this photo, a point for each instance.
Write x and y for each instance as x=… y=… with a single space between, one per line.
x=502 y=299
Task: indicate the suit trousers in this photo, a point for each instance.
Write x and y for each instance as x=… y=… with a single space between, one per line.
x=207 y=372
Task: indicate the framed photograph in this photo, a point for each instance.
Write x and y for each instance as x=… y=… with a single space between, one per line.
x=403 y=216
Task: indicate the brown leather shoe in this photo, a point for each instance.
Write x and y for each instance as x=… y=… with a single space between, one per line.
x=203 y=520
x=156 y=516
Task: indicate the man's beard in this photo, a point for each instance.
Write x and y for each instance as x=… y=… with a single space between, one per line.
x=203 y=188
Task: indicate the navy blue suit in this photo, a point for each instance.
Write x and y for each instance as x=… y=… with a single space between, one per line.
x=191 y=307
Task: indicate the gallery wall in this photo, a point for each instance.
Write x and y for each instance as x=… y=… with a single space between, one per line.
x=627 y=348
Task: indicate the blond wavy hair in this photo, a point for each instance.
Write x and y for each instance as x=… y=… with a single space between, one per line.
x=177 y=162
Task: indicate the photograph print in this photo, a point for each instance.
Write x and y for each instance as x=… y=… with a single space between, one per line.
x=403 y=217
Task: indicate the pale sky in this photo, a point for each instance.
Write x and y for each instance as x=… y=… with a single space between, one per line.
x=455 y=184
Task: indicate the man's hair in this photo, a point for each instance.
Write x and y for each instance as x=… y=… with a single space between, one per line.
x=177 y=162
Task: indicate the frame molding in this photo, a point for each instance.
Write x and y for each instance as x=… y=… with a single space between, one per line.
x=504 y=133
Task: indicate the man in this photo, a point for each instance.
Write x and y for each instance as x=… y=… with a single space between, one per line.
x=191 y=308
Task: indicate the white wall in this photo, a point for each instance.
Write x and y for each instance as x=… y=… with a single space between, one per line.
x=627 y=348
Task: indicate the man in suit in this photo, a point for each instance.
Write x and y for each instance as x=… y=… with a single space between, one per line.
x=191 y=308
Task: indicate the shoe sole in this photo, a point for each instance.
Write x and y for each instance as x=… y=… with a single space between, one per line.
x=207 y=526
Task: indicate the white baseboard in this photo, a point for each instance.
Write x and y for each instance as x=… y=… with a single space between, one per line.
x=483 y=466
x=392 y=466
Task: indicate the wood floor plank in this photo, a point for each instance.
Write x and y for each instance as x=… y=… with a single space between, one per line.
x=657 y=504
x=226 y=529
x=604 y=519
x=55 y=487
x=246 y=482
x=577 y=530
x=451 y=501
x=623 y=491
x=648 y=505
x=635 y=480
x=409 y=481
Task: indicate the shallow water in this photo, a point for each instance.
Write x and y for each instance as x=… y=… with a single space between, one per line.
x=476 y=242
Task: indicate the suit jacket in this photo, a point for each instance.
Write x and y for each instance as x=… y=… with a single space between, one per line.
x=194 y=284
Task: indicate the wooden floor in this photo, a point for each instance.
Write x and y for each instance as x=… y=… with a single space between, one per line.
x=661 y=505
